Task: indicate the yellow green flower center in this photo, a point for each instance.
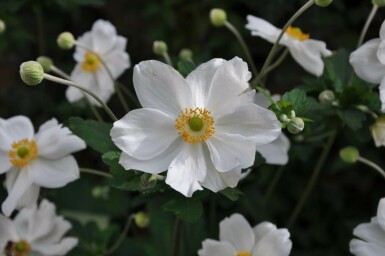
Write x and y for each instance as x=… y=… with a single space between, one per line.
x=195 y=125
x=23 y=152
x=243 y=253
x=297 y=33
x=21 y=248
x=91 y=62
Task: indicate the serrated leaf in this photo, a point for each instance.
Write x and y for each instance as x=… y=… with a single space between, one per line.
x=298 y=100
x=186 y=209
x=185 y=67
x=352 y=118
x=338 y=69
x=232 y=193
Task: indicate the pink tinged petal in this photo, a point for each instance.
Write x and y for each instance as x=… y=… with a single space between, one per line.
x=54 y=173
x=7 y=232
x=15 y=194
x=361 y=248
x=275 y=243
x=216 y=248
x=144 y=133
x=262 y=28
x=187 y=170
x=371 y=232
x=15 y=129
x=200 y=80
x=104 y=36
x=276 y=152
x=155 y=165
x=381 y=214
x=229 y=82
x=263 y=229
x=60 y=248
x=55 y=141
x=161 y=87
x=366 y=64
x=5 y=163
x=237 y=231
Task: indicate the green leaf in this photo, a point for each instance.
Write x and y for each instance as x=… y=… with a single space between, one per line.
x=185 y=67
x=232 y=193
x=95 y=134
x=299 y=101
x=338 y=69
x=186 y=209
x=352 y=118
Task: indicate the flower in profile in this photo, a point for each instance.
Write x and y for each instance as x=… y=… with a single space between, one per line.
x=238 y=238
x=201 y=129
x=306 y=51
x=89 y=71
x=31 y=161
x=36 y=231
x=368 y=62
x=371 y=235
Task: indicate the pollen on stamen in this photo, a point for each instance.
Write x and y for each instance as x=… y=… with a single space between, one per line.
x=297 y=33
x=23 y=152
x=91 y=62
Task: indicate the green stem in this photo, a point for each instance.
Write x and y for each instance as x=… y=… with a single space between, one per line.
x=373 y=165
x=277 y=62
x=167 y=58
x=175 y=238
x=128 y=93
x=367 y=24
x=273 y=50
x=243 y=45
x=60 y=72
x=95 y=172
x=123 y=235
x=273 y=184
x=317 y=169
x=73 y=84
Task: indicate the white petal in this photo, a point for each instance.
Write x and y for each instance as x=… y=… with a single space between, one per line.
x=54 y=173
x=382 y=94
x=381 y=52
x=371 y=232
x=275 y=243
x=361 y=248
x=200 y=80
x=381 y=214
x=216 y=248
x=82 y=78
x=103 y=87
x=238 y=232
x=262 y=28
x=14 y=129
x=5 y=163
x=382 y=31
x=144 y=133
x=366 y=64
x=187 y=170
x=157 y=164
x=229 y=81
x=263 y=229
x=161 y=87
x=61 y=248
x=104 y=36
x=276 y=152
x=7 y=232
x=85 y=39
x=117 y=60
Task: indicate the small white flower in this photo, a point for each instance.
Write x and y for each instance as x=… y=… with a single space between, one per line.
x=201 y=129
x=36 y=231
x=238 y=238
x=371 y=235
x=31 y=161
x=368 y=62
x=378 y=131
x=307 y=52
x=89 y=71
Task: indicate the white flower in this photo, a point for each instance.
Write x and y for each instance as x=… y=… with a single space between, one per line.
x=275 y=152
x=371 y=235
x=378 y=131
x=202 y=129
x=36 y=231
x=368 y=62
x=238 y=238
x=89 y=71
x=33 y=160
x=307 y=52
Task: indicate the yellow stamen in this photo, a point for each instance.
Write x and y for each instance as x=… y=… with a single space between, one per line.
x=195 y=125
x=297 y=33
x=23 y=152
x=91 y=62
x=21 y=248
x=243 y=253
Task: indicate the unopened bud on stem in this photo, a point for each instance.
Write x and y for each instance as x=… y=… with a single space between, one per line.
x=186 y=54
x=218 y=17
x=327 y=97
x=2 y=26
x=66 y=40
x=378 y=2
x=160 y=48
x=323 y=3
x=31 y=72
x=46 y=63
x=349 y=154
x=142 y=220
x=296 y=125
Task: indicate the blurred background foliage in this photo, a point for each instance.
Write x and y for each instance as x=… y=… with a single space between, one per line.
x=344 y=196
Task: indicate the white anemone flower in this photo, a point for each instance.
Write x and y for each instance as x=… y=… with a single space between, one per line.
x=201 y=129
x=31 y=161
x=307 y=52
x=36 y=231
x=89 y=71
x=371 y=235
x=368 y=62
x=238 y=238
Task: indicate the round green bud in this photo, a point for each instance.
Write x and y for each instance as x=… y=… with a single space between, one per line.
x=2 y=26
x=31 y=72
x=323 y=3
x=142 y=219
x=147 y=181
x=283 y=118
x=101 y=192
x=378 y=2
x=349 y=154
x=45 y=62
x=66 y=40
x=160 y=48
x=186 y=54
x=327 y=97
x=218 y=17
x=296 y=125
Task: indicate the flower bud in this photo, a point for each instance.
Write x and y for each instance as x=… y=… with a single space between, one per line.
x=46 y=63
x=66 y=40
x=323 y=3
x=2 y=26
x=292 y=114
x=186 y=54
x=31 y=72
x=160 y=48
x=378 y=131
x=142 y=220
x=218 y=17
x=283 y=118
x=327 y=97
x=147 y=181
x=295 y=125
x=101 y=192
x=378 y=2
x=349 y=154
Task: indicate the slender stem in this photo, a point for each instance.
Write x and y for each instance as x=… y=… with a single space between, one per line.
x=273 y=184
x=175 y=238
x=73 y=84
x=373 y=165
x=95 y=172
x=167 y=58
x=123 y=235
x=121 y=97
x=367 y=24
x=277 y=62
x=313 y=179
x=243 y=45
x=60 y=72
x=128 y=93
x=273 y=50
